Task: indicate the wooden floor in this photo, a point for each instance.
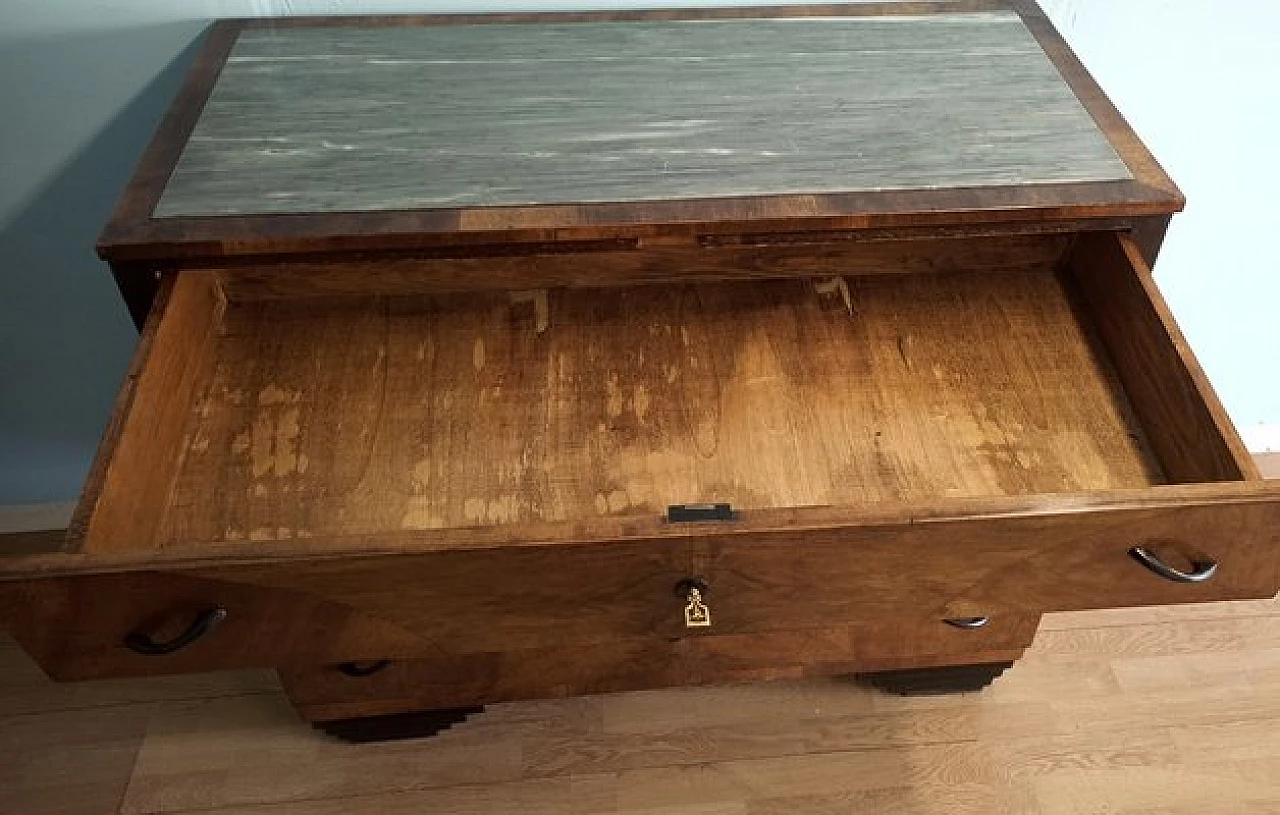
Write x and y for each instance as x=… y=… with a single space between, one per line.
x=1144 y=711
x=1161 y=710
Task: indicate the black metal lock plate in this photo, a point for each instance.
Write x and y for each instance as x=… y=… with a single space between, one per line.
x=682 y=513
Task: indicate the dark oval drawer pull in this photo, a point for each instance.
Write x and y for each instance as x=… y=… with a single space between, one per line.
x=1203 y=568
x=204 y=623
x=359 y=669
x=967 y=622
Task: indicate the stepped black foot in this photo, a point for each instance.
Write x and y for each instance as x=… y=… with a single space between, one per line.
x=936 y=681
x=418 y=724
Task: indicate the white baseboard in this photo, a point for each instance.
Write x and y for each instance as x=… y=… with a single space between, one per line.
x=35 y=517
x=1261 y=437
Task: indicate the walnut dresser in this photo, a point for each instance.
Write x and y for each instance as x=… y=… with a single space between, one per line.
x=499 y=357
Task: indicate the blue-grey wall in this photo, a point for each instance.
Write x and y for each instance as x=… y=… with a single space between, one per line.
x=83 y=83
x=77 y=107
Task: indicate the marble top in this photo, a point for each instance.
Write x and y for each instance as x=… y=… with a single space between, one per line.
x=333 y=119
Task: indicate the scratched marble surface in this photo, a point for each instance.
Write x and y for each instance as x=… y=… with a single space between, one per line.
x=359 y=119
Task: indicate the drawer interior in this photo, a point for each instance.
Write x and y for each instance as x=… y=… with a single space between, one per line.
x=283 y=418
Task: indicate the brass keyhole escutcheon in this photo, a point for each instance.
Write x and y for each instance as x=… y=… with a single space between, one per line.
x=697 y=614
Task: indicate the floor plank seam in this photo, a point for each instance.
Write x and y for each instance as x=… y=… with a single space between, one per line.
x=139 y=703
x=534 y=777
x=1174 y=621
x=133 y=769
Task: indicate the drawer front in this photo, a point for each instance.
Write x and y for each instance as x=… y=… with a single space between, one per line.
x=333 y=692
x=307 y=523
x=995 y=566
x=145 y=623
x=506 y=599
x=486 y=602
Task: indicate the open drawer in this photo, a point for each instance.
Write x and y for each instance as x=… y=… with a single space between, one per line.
x=492 y=471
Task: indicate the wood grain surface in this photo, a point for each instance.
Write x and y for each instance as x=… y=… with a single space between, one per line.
x=76 y=627
x=1164 y=710
x=460 y=601
x=365 y=415
x=348 y=119
x=1189 y=429
x=323 y=693
x=469 y=602
x=595 y=264
x=124 y=498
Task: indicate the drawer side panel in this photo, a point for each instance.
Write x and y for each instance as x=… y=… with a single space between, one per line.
x=127 y=491
x=1186 y=424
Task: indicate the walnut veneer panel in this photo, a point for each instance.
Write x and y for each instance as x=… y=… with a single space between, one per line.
x=322 y=693
x=366 y=415
x=340 y=119
x=76 y=626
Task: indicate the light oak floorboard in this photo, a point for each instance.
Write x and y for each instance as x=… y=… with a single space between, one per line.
x=1153 y=711
x=1162 y=713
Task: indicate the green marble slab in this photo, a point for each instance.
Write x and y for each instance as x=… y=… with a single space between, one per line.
x=306 y=120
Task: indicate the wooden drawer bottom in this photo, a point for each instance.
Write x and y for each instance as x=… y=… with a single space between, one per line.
x=328 y=693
